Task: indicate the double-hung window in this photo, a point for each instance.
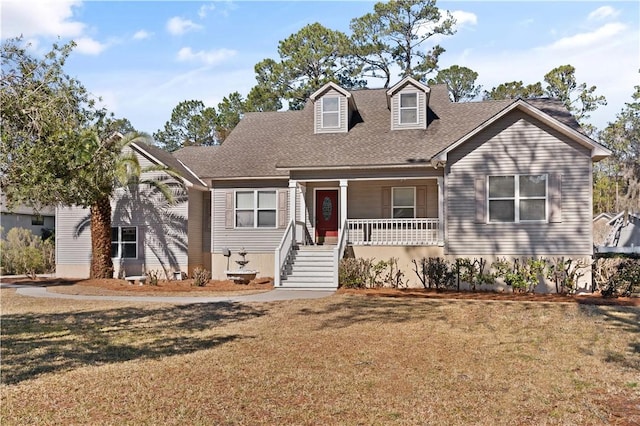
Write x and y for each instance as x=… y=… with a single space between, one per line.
x=518 y=198
x=124 y=242
x=408 y=108
x=403 y=202
x=255 y=209
x=330 y=112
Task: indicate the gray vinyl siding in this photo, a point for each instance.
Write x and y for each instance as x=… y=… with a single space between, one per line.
x=519 y=144
x=256 y=240
x=73 y=236
x=162 y=230
x=422 y=109
x=9 y=221
x=365 y=198
x=344 y=113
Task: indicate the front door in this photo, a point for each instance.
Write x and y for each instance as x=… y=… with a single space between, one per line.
x=327 y=216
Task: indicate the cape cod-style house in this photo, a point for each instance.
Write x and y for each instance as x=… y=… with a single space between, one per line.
x=400 y=172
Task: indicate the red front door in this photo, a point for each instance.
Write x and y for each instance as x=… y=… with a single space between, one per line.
x=327 y=216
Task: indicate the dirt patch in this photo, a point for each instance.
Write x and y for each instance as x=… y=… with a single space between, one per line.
x=105 y=287
x=587 y=299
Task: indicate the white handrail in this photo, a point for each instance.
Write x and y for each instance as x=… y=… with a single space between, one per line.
x=420 y=231
x=282 y=252
x=338 y=251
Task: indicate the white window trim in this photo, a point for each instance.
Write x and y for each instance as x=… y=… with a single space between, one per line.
x=120 y=242
x=393 y=206
x=323 y=112
x=255 y=208
x=517 y=198
x=401 y=108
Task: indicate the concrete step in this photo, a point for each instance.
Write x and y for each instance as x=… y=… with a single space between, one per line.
x=313 y=262
x=311 y=268
x=308 y=278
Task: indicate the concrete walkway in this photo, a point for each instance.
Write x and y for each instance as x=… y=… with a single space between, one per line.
x=269 y=296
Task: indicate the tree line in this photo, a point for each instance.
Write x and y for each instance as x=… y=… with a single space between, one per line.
x=392 y=36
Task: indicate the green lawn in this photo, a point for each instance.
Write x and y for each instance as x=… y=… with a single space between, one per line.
x=340 y=360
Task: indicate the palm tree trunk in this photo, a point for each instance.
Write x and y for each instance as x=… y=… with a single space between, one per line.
x=101 y=264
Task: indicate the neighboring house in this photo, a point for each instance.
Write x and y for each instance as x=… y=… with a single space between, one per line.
x=601 y=228
x=41 y=222
x=624 y=234
x=401 y=173
x=147 y=233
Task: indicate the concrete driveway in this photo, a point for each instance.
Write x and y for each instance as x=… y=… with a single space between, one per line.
x=269 y=296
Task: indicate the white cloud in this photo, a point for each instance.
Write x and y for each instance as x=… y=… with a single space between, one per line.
x=211 y=57
x=582 y=40
x=40 y=18
x=178 y=25
x=603 y=12
x=464 y=19
x=89 y=46
x=141 y=35
x=205 y=9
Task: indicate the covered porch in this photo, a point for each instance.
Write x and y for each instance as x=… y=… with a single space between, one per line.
x=377 y=212
x=330 y=214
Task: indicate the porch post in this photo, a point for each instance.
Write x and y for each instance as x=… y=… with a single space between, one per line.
x=441 y=210
x=293 y=186
x=303 y=214
x=344 y=183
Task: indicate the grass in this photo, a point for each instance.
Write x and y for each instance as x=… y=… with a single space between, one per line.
x=341 y=360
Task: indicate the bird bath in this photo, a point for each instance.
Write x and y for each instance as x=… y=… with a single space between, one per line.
x=242 y=276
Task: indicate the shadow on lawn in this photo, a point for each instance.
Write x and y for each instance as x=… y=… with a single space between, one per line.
x=358 y=309
x=623 y=318
x=34 y=344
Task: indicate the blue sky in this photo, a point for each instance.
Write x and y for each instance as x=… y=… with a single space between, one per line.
x=145 y=57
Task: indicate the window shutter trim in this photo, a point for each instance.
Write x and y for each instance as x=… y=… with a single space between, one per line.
x=421 y=201
x=228 y=210
x=555 y=198
x=481 y=199
x=282 y=209
x=386 y=201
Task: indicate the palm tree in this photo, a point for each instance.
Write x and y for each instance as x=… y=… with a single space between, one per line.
x=98 y=182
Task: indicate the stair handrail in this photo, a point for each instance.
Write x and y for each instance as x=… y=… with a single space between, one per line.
x=282 y=253
x=338 y=251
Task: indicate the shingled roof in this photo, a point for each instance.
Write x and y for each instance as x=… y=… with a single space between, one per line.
x=170 y=161
x=269 y=144
x=197 y=158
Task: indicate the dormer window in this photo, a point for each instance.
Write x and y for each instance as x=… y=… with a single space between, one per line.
x=332 y=109
x=330 y=112
x=408 y=108
x=408 y=103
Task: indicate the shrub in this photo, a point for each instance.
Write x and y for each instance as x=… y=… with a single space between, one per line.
x=624 y=280
x=521 y=276
x=434 y=272
x=472 y=272
x=154 y=276
x=25 y=253
x=367 y=273
x=566 y=273
x=201 y=277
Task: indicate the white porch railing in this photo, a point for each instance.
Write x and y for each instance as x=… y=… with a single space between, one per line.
x=395 y=232
x=283 y=251
x=338 y=252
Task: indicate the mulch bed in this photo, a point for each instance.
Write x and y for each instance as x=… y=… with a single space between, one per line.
x=587 y=299
x=178 y=286
x=186 y=286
